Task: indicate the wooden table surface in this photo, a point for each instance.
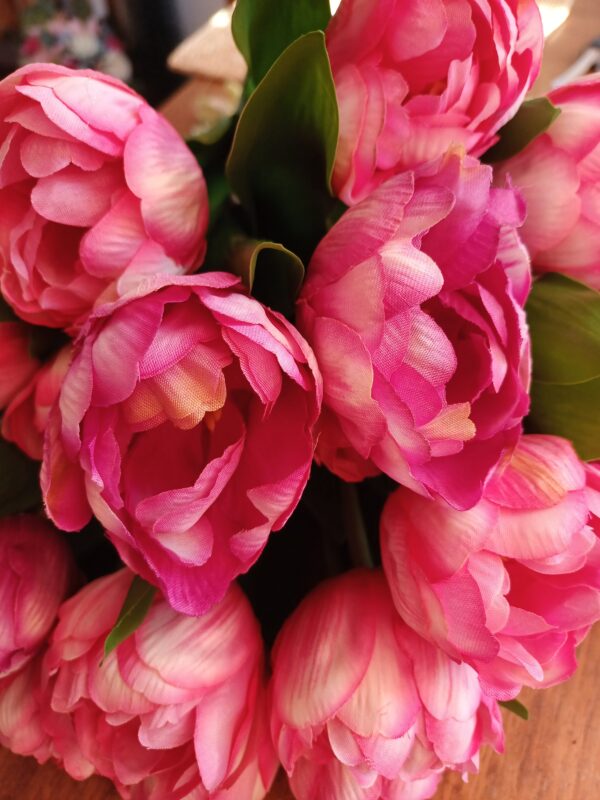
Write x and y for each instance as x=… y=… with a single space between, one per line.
x=553 y=756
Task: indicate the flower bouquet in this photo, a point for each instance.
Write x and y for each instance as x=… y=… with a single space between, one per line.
x=317 y=481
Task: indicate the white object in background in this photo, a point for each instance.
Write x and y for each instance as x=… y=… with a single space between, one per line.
x=210 y=52
x=554 y=13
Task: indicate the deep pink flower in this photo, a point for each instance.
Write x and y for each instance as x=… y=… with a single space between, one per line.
x=512 y=585
x=185 y=423
x=176 y=711
x=17 y=365
x=558 y=174
x=26 y=417
x=35 y=575
x=413 y=306
x=416 y=77
x=95 y=187
x=364 y=708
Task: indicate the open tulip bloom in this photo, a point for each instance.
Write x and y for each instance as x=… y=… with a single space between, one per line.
x=299 y=439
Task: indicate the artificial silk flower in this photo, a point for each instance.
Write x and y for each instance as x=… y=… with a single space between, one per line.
x=416 y=77
x=95 y=188
x=21 y=726
x=176 y=711
x=25 y=419
x=186 y=424
x=413 y=305
x=512 y=585
x=36 y=573
x=558 y=174
x=364 y=708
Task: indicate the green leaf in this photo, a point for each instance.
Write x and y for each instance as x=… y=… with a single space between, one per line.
x=132 y=614
x=564 y=320
x=20 y=481
x=569 y=410
x=271 y=272
x=284 y=146
x=533 y=118
x=262 y=29
x=515 y=707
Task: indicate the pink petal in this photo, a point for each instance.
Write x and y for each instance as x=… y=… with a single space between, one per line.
x=163 y=173
x=73 y=197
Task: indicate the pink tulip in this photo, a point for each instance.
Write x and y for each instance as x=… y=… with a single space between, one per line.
x=17 y=365
x=176 y=711
x=35 y=575
x=413 y=306
x=185 y=423
x=21 y=716
x=510 y=586
x=363 y=708
x=416 y=77
x=25 y=419
x=95 y=188
x=558 y=174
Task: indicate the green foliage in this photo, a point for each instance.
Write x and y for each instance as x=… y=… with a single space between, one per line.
x=532 y=119
x=19 y=484
x=564 y=320
x=515 y=707
x=284 y=146
x=132 y=614
x=262 y=29
x=271 y=273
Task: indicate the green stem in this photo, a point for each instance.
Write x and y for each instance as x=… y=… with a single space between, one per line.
x=354 y=525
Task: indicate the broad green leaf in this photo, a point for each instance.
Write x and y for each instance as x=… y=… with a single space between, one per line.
x=570 y=410
x=262 y=29
x=515 y=707
x=271 y=272
x=19 y=481
x=132 y=614
x=533 y=118
x=564 y=320
x=283 y=150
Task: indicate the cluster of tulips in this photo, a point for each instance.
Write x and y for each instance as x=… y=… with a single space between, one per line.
x=169 y=404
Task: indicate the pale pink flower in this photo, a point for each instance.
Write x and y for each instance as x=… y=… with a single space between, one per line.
x=186 y=423
x=25 y=419
x=36 y=572
x=17 y=365
x=22 y=728
x=558 y=175
x=413 y=306
x=95 y=188
x=176 y=711
x=363 y=708
x=512 y=585
x=416 y=77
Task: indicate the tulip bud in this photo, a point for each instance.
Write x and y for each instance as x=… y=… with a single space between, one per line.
x=35 y=576
x=362 y=707
x=512 y=585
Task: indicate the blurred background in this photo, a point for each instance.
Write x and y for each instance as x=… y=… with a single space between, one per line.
x=130 y=39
